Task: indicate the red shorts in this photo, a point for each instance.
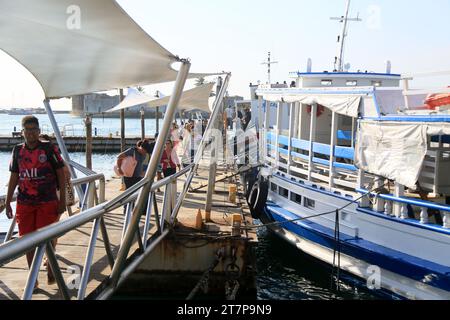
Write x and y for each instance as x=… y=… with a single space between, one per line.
x=30 y=218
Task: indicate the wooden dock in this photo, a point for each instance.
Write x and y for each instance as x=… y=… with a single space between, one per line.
x=71 y=249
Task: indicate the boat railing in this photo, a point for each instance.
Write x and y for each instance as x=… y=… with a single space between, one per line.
x=93 y=208
x=293 y=158
x=408 y=91
x=405 y=208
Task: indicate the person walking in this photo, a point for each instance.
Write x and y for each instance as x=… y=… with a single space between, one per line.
x=37 y=169
x=138 y=153
x=169 y=160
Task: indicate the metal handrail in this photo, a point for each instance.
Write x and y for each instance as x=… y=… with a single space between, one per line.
x=22 y=245
x=404 y=200
x=41 y=239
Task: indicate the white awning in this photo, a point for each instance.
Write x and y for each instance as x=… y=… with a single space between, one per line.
x=395 y=150
x=196 y=98
x=343 y=103
x=82 y=46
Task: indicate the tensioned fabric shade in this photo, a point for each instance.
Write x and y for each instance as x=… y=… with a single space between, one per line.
x=193 y=99
x=82 y=46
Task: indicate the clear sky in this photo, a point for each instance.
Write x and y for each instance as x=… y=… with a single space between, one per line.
x=235 y=36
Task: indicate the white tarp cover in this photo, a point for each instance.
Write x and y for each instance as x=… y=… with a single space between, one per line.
x=395 y=150
x=347 y=105
x=81 y=46
x=193 y=99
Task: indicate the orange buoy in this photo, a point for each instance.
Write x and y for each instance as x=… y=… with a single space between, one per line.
x=437 y=100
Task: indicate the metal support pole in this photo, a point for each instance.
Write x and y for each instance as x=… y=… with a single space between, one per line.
x=213 y=159
x=88 y=123
x=88 y=261
x=157 y=119
x=122 y=124
x=62 y=145
x=142 y=123
x=151 y=171
x=291 y=134
x=278 y=132
x=34 y=272
x=216 y=111
x=261 y=140
x=266 y=130
x=312 y=139
x=333 y=143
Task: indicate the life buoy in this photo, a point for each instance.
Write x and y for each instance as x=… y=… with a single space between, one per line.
x=320 y=110
x=437 y=100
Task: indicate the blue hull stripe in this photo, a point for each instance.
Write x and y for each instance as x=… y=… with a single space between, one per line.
x=388 y=259
x=409 y=222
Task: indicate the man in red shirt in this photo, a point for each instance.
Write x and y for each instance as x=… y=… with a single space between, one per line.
x=37 y=168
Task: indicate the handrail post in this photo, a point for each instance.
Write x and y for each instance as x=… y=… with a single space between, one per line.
x=399 y=191
x=34 y=272
x=291 y=134
x=333 y=143
x=424 y=215
x=61 y=144
x=151 y=171
x=312 y=139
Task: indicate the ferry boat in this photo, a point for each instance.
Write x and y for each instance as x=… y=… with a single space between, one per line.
x=355 y=172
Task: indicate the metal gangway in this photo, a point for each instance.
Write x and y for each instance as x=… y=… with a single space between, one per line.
x=144 y=223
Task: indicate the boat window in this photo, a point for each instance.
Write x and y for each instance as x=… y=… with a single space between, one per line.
x=296 y=198
x=309 y=203
x=273 y=187
x=326 y=82
x=284 y=192
x=352 y=83
x=377 y=83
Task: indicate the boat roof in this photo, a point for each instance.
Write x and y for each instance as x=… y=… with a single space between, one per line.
x=369 y=103
x=344 y=74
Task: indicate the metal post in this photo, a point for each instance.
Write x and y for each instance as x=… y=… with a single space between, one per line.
x=312 y=138
x=261 y=140
x=266 y=130
x=34 y=272
x=278 y=132
x=291 y=134
x=157 y=119
x=62 y=145
x=334 y=129
x=88 y=123
x=405 y=92
x=198 y=155
x=88 y=261
x=213 y=158
x=142 y=123
x=151 y=170
x=122 y=123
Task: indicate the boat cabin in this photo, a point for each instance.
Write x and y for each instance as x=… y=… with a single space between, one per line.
x=351 y=132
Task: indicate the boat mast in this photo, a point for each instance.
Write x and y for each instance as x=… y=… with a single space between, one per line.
x=339 y=59
x=269 y=63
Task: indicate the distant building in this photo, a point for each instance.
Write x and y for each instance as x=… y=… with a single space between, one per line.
x=98 y=104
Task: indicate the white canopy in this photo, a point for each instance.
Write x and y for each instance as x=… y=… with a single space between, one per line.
x=196 y=98
x=395 y=150
x=81 y=46
x=341 y=103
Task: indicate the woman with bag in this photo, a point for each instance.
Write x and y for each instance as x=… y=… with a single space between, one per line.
x=130 y=163
x=169 y=160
